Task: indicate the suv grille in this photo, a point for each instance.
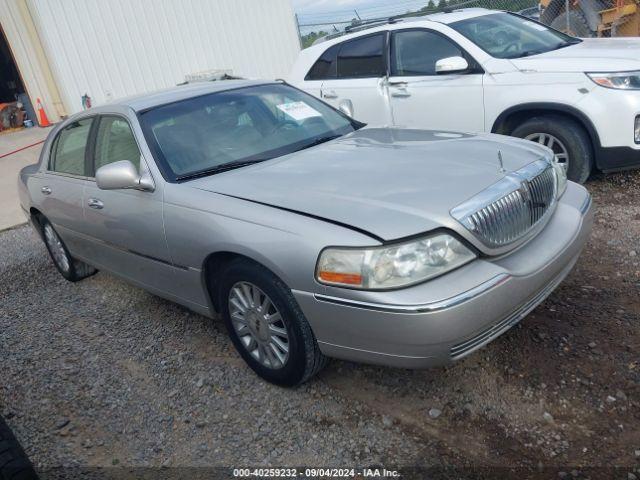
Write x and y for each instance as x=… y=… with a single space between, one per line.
x=508 y=210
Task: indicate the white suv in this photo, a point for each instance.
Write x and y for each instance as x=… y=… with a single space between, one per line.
x=481 y=70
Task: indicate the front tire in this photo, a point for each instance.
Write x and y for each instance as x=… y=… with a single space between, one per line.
x=14 y=463
x=70 y=268
x=569 y=141
x=267 y=326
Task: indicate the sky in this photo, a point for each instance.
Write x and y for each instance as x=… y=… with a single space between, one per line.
x=319 y=6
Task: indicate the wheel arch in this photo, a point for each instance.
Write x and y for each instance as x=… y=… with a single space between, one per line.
x=36 y=219
x=215 y=262
x=507 y=121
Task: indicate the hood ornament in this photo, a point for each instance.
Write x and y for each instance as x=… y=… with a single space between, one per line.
x=501 y=163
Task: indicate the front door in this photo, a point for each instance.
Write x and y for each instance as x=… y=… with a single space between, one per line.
x=126 y=226
x=357 y=78
x=421 y=98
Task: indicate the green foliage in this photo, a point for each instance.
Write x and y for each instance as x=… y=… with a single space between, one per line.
x=308 y=39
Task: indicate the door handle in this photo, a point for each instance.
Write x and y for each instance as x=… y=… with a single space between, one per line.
x=397 y=84
x=400 y=92
x=330 y=94
x=95 y=203
x=46 y=190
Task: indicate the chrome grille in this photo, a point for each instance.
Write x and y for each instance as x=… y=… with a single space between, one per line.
x=508 y=210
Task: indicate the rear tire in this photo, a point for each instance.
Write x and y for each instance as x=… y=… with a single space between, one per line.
x=573 y=138
x=578 y=25
x=301 y=359
x=14 y=463
x=70 y=268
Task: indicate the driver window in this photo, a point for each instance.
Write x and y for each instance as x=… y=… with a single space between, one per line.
x=415 y=52
x=115 y=142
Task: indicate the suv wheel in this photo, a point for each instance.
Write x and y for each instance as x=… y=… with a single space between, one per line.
x=568 y=140
x=267 y=326
x=70 y=268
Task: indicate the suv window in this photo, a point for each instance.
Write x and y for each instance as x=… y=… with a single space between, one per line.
x=362 y=57
x=325 y=66
x=69 y=149
x=115 y=142
x=415 y=52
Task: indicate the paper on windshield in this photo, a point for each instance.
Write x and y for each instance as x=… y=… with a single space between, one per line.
x=299 y=110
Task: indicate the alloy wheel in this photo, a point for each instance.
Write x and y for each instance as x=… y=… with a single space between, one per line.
x=56 y=248
x=259 y=325
x=561 y=154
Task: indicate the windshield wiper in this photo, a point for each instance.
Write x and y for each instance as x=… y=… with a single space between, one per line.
x=319 y=140
x=225 y=167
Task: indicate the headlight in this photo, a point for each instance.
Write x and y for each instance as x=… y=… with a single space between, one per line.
x=392 y=266
x=619 y=81
x=561 y=178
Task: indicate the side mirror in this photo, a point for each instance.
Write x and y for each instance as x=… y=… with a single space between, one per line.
x=346 y=107
x=451 y=65
x=120 y=175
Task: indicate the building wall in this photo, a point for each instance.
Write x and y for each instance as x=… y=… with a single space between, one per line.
x=115 y=48
x=26 y=47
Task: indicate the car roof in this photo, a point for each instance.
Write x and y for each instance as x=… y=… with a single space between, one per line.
x=398 y=23
x=182 y=92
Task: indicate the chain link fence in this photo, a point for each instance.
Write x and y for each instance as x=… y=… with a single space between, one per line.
x=580 y=18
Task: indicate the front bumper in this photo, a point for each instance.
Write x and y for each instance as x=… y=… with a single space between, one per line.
x=447 y=318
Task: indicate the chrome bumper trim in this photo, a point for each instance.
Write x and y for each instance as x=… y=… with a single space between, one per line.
x=419 y=308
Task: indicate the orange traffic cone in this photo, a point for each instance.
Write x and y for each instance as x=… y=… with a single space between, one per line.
x=44 y=121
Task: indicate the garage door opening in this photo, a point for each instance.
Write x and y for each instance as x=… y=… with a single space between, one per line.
x=13 y=98
x=10 y=82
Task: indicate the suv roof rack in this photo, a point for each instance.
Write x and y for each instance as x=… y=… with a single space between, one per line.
x=362 y=25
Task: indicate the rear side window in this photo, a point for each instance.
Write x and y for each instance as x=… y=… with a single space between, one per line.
x=362 y=57
x=115 y=142
x=69 y=149
x=325 y=67
x=415 y=52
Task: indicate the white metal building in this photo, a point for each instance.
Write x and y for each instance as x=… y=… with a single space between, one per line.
x=64 y=49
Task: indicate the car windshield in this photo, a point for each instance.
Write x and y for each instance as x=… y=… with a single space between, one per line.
x=504 y=35
x=216 y=132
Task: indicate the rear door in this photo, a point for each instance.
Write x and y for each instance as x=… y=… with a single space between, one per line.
x=58 y=192
x=126 y=226
x=356 y=75
x=421 y=98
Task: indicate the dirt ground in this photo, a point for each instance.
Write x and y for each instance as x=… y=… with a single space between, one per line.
x=100 y=374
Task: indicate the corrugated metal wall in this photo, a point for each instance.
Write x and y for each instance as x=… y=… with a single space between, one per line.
x=29 y=56
x=114 y=48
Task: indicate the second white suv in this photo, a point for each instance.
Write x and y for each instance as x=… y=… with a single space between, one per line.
x=486 y=71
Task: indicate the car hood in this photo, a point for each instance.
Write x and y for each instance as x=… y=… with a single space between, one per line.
x=591 y=55
x=391 y=183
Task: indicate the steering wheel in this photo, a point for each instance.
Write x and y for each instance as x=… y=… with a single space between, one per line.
x=508 y=48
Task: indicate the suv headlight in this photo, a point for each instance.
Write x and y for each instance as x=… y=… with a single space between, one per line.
x=561 y=178
x=392 y=266
x=618 y=81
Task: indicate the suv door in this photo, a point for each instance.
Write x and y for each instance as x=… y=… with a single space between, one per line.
x=422 y=98
x=355 y=74
x=58 y=192
x=126 y=226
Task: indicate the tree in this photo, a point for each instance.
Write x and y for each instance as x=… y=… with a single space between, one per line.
x=308 y=39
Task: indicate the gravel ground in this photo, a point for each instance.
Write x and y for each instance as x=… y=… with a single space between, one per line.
x=100 y=374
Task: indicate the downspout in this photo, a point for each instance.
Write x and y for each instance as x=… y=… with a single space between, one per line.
x=41 y=57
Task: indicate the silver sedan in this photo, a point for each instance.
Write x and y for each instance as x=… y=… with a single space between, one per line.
x=311 y=235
